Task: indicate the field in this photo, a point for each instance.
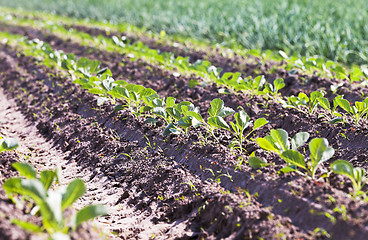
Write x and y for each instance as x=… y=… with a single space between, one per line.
x=176 y=136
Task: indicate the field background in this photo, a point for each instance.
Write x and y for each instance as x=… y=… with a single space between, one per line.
x=335 y=29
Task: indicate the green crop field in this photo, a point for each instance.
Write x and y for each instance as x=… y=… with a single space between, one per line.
x=335 y=29
x=183 y=120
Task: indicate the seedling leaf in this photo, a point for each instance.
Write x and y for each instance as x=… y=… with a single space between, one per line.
x=75 y=190
x=266 y=145
x=90 y=212
x=256 y=162
x=260 y=122
x=47 y=178
x=280 y=136
x=218 y=122
x=299 y=139
x=294 y=158
x=25 y=169
x=27 y=225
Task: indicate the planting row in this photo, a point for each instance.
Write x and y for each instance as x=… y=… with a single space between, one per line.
x=149 y=192
x=181 y=117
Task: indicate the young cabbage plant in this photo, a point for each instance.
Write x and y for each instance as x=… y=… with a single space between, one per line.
x=319 y=153
x=273 y=90
x=333 y=116
x=278 y=141
x=134 y=96
x=217 y=112
x=302 y=102
x=242 y=122
x=216 y=120
x=181 y=117
x=357 y=111
x=255 y=85
x=50 y=203
x=356 y=174
x=99 y=85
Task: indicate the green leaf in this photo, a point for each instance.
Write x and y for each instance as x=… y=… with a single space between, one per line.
x=258 y=82
x=344 y=104
x=47 y=178
x=242 y=119
x=185 y=122
x=266 y=145
x=151 y=120
x=12 y=185
x=32 y=188
x=299 y=140
x=218 y=122
x=173 y=112
x=281 y=138
x=287 y=169
x=195 y=115
x=159 y=111
x=119 y=92
x=121 y=82
x=256 y=162
x=360 y=106
x=226 y=111
x=27 y=225
x=294 y=158
x=260 y=122
x=75 y=190
x=90 y=212
x=25 y=169
x=119 y=107
x=343 y=167
x=324 y=103
x=216 y=106
x=279 y=84
x=320 y=152
x=170 y=102
x=96 y=91
x=315 y=95
x=170 y=128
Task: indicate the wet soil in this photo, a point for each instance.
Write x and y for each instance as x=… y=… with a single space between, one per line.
x=164 y=187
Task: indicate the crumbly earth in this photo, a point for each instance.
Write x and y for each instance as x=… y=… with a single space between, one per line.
x=173 y=187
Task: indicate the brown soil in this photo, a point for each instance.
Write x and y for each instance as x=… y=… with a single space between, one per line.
x=163 y=187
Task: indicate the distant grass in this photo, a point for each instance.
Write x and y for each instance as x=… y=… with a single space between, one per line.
x=335 y=29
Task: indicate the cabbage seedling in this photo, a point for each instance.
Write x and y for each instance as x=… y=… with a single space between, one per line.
x=303 y=101
x=356 y=174
x=319 y=153
x=278 y=141
x=50 y=203
x=357 y=111
x=217 y=112
x=242 y=121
